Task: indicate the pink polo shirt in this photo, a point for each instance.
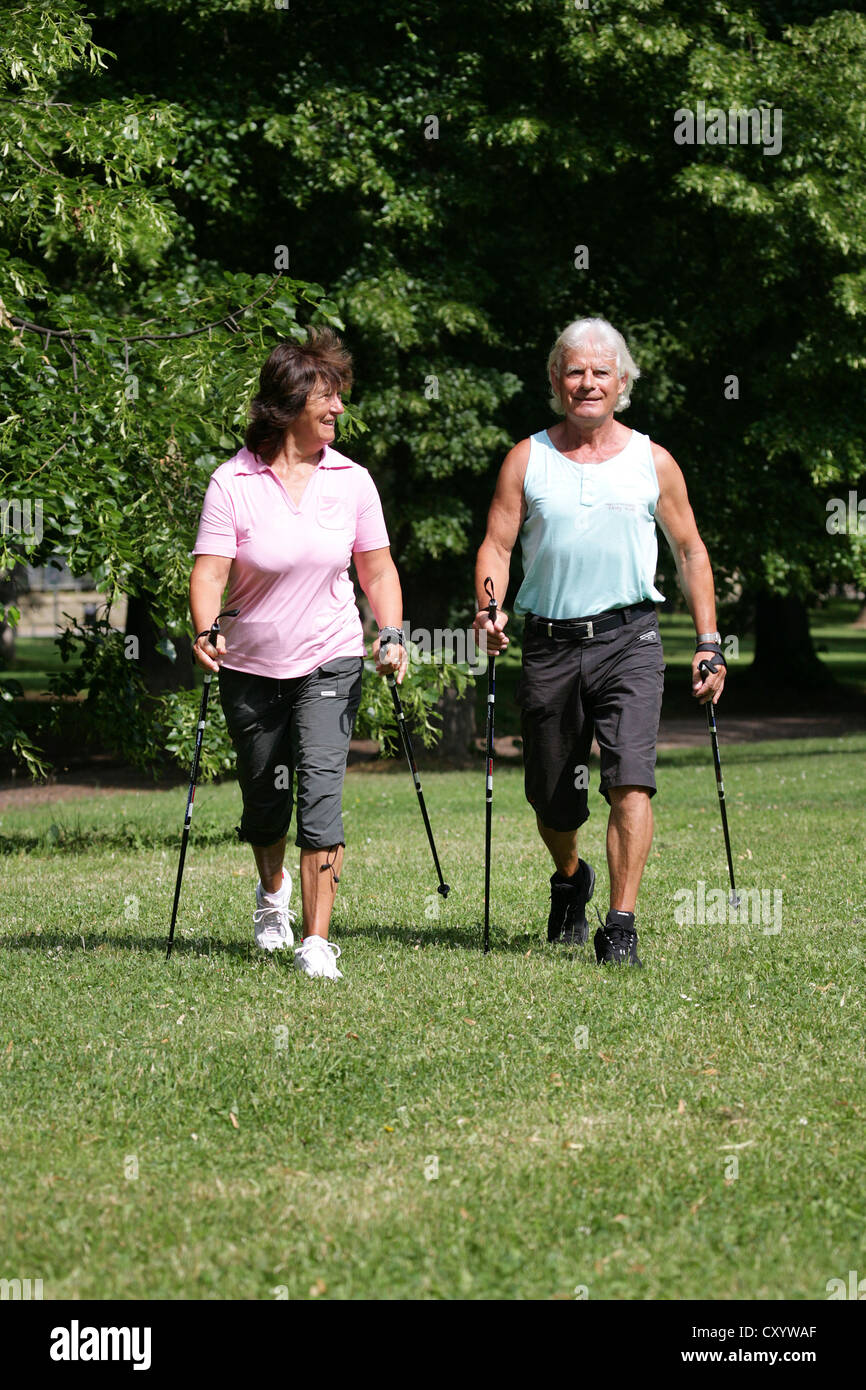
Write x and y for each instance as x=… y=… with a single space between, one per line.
x=290 y=570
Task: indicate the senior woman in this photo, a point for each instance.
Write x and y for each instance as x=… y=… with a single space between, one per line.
x=584 y=496
x=281 y=523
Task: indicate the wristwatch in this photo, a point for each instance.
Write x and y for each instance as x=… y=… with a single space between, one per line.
x=715 y=637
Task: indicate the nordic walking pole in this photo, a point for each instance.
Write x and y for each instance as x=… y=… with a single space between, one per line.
x=406 y=740
x=488 y=824
x=196 y=758
x=704 y=667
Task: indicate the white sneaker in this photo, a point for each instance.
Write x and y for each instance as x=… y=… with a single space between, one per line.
x=318 y=957
x=272 y=925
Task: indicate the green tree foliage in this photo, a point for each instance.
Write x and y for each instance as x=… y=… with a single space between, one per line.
x=437 y=167
x=439 y=173
x=125 y=363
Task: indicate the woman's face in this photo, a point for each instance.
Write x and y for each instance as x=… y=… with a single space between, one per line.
x=317 y=421
x=588 y=384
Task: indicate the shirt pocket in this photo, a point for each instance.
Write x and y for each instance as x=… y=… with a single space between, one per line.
x=333 y=514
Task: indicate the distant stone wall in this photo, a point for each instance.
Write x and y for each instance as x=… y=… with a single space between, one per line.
x=44 y=611
x=50 y=598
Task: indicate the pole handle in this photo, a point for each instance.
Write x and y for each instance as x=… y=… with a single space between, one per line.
x=492 y=610
x=492 y=605
x=390 y=677
x=390 y=637
x=215 y=626
x=705 y=668
x=708 y=667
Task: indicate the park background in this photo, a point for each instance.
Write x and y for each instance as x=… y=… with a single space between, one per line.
x=448 y=185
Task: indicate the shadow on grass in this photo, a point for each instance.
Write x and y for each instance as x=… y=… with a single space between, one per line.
x=62 y=839
x=90 y=942
x=745 y=753
x=454 y=937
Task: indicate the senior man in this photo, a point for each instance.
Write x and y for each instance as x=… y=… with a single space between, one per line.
x=585 y=497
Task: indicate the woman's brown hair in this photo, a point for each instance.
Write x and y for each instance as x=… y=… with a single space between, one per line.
x=288 y=376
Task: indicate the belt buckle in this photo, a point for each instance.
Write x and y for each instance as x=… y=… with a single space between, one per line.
x=550 y=629
x=588 y=627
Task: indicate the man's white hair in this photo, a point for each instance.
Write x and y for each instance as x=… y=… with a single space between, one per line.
x=597 y=333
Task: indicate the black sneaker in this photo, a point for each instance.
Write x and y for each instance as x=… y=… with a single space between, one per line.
x=568 y=899
x=616 y=941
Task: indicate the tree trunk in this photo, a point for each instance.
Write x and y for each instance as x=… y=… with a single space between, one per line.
x=458 y=727
x=8 y=595
x=160 y=673
x=783 y=644
x=424 y=599
x=860 y=620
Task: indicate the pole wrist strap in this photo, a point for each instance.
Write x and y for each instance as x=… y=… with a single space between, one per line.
x=718 y=654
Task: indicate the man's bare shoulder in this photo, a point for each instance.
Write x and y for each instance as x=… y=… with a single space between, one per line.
x=516 y=461
x=666 y=466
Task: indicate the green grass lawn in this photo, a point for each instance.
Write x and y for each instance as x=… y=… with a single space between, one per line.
x=438 y=1124
x=36 y=659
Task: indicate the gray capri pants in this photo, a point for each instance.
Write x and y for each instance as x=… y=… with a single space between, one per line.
x=282 y=729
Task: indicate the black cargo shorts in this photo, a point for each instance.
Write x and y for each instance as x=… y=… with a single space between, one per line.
x=573 y=687
x=287 y=729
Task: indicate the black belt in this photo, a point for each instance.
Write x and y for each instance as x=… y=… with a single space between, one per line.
x=598 y=623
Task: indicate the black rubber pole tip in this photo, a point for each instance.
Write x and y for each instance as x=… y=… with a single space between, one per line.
x=444 y=889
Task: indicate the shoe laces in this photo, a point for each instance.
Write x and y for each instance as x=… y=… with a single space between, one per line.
x=268 y=919
x=621 y=938
x=331 y=945
x=621 y=941
x=624 y=935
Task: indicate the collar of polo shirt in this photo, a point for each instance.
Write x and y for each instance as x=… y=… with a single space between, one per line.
x=247 y=463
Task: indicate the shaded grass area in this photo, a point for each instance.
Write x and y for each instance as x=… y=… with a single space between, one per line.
x=36 y=658
x=438 y=1124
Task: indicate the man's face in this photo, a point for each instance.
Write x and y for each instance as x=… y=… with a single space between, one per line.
x=320 y=412
x=588 y=385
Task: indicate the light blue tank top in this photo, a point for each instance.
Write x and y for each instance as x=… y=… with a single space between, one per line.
x=589 y=538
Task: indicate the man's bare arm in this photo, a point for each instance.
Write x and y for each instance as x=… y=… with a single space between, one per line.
x=675 y=517
x=504 y=520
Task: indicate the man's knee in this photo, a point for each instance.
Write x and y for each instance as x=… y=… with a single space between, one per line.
x=630 y=796
x=554 y=829
x=631 y=790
